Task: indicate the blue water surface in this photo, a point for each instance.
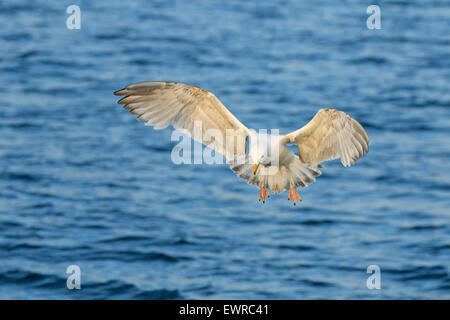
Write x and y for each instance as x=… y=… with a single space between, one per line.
x=83 y=183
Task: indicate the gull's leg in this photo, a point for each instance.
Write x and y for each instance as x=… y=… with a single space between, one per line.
x=293 y=195
x=263 y=193
x=266 y=193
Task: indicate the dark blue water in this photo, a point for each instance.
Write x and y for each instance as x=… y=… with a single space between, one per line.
x=82 y=182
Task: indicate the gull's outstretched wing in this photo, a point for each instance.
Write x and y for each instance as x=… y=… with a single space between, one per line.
x=331 y=134
x=160 y=104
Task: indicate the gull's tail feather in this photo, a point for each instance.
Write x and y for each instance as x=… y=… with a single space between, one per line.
x=296 y=173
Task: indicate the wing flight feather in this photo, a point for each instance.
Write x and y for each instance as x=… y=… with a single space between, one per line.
x=331 y=134
x=160 y=104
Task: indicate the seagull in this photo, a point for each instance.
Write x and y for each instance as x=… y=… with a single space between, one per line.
x=331 y=134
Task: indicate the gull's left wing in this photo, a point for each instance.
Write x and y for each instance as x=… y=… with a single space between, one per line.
x=331 y=134
x=160 y=104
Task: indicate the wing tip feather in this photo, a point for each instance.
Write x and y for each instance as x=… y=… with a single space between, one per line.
x=121 y=92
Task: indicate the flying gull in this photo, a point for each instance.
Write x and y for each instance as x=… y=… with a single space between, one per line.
x=331 y=134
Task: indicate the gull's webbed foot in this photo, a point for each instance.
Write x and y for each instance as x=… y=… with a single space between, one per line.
x=293 y=195
x=263 y=193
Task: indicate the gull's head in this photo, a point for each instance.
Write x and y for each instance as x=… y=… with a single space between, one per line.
x=263 y=160
x=262 y=147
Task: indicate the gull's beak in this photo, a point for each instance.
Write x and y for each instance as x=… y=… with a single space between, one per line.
x=255 y=168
